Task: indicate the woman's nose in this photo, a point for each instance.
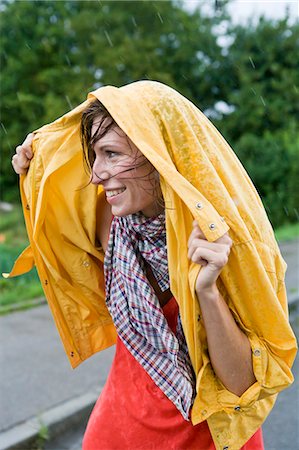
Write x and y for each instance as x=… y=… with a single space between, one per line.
x=99 y=174
x=99 y=177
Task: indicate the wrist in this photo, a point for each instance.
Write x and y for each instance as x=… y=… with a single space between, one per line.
x=210 y=292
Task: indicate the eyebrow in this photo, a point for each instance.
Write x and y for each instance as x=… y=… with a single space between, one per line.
x=110 y=147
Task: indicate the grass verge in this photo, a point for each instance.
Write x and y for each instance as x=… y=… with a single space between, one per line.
x=287 y=232
x=13 y=240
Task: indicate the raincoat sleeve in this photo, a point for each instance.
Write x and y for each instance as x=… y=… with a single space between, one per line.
x=271 y=362
x=273 y=353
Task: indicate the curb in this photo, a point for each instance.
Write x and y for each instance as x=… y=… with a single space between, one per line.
x=49 y=424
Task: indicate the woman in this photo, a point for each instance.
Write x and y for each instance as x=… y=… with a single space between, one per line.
x=146 y=150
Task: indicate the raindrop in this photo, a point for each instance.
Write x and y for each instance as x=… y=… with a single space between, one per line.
x=252 y=63
x=108 y=38
x=159 y=15
x=295 y=88
x=120 y=67
x=4 y=129
x=134 y=21
x=53 y=19
x=98 y=74
x=27 y=45
x=97 y=85
x=263 y=101
x=68 y=101
x=286 y=210
x=253 y=90
x=68 y=60
x=296 y=213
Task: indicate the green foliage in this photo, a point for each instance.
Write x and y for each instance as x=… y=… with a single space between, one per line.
x=263 y=128
x=272 y=160
x=54 y=52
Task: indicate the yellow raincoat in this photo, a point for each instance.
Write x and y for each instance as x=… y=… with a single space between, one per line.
x=201 y=178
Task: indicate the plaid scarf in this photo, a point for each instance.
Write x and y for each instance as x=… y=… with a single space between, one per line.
x=136 y=310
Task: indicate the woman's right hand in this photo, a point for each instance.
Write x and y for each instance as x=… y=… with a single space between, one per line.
x=21 y=159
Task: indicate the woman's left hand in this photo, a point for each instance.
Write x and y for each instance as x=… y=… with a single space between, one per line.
x=211 y=255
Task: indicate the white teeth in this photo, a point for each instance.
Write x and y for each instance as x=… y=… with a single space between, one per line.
x=116 y=192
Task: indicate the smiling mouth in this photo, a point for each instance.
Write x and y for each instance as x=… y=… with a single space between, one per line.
x=114 y=193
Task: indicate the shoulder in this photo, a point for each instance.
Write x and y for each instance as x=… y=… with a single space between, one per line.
x=103 y=221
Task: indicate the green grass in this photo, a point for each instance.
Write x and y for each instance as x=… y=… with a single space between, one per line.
x=287 y=232
x=13 y=240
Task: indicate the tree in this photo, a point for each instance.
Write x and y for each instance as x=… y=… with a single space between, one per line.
x=54 y=53
x=262 y=126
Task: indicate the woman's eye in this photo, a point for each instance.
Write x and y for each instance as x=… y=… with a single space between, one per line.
x=111 y=154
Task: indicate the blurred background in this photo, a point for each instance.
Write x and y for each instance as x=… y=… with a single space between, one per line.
x=236 y=60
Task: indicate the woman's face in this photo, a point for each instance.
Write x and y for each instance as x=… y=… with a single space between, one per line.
x=130 y=181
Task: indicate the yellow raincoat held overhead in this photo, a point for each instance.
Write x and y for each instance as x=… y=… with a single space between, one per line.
x=201 y=178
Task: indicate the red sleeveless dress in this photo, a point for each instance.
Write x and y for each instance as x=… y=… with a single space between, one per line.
x=132 y=413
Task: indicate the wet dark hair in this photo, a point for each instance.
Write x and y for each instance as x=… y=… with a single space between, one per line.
x=96 y=110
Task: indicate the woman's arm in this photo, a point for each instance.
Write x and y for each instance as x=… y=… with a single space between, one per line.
x=229 y=347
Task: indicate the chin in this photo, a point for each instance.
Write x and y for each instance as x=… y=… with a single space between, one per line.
x=122 y=213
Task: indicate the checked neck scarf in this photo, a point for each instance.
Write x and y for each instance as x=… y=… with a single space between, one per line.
x=136 y=310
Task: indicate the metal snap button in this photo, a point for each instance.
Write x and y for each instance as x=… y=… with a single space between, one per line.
x=237 y=408
x=199 y=205
x=86 y=263
x=257 y=352
x=212 y=226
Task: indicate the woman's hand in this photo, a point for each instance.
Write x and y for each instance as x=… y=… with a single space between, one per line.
x=21 y=160
x=211 y=255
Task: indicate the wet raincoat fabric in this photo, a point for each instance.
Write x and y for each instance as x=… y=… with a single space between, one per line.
x=202 y=179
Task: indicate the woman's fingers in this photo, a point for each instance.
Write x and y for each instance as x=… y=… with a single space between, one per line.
x=202 y=252
x=212 y=255
x=27 y=145
x=206 y=255
x=21 y=159
x=195 y=242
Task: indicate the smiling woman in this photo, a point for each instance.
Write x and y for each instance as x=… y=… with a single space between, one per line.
x=130 y=181
x=194 y=280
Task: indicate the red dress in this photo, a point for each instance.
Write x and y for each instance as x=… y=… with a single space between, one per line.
x=132 y=413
